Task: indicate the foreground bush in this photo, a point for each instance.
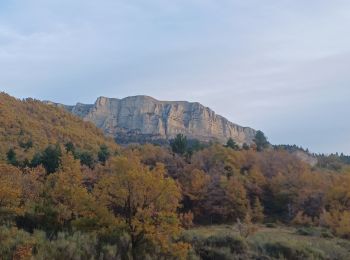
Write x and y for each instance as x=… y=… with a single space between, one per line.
x=286 y=244
x=314 y=232
x=12 y=241
x=290 y=250
x=18 y=244
x=217 y=246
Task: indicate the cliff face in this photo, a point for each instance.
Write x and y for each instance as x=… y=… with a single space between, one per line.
x=142 y=118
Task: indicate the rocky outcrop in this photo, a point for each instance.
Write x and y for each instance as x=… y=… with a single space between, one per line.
x=143 y=118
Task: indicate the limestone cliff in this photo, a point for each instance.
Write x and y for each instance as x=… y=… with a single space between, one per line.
x=142 y=118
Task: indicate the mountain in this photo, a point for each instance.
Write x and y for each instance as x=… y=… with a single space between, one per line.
x=29 y=126
x=143 y=118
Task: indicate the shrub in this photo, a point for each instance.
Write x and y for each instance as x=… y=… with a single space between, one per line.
x=208 y=253
x=76 y=246
x=186 y=219
x=246 y=228
x=327 y=234
x=235 y=243
x=14 y=241
x=291 y=251
x=338 y=222
x=270 y=225
x=218 y=246
x=302 y=219
x=314 y=231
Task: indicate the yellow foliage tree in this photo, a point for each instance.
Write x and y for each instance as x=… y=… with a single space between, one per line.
x=237 y=196
x=72 y=200
x=257 y=211
x=302 y=219
x=338 y=195
x=146 y=201
x=10 y=191
x=337 y=221
x=194 y=186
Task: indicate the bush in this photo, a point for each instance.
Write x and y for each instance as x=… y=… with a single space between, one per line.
x=75 y=246
x=270 y=225
x=292 y=251
x=209 y=253
x=18 y=244
x=14 y=241
x=327 y=234
x=218 y=246
x=236 y=244
x=308 y=231
x=315 y=232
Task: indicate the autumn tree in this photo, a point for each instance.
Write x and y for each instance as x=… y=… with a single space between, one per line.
x=10 y=192
x=72 y=202
x=257 y=211
x=255 y=181
x=237 y=197
x=337 y=221
x=246 y=227
x=338 y=195
x=194 y=186
x=146 y=202
x=224 y=201
x=32 y=185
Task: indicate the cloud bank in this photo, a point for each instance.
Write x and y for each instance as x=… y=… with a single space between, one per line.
x=279 y=66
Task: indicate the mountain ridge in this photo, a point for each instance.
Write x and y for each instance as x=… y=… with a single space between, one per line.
x=143 y=118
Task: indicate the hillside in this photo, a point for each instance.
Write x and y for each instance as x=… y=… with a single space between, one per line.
x=29 y=125
x=156 y=202
x=143 y=118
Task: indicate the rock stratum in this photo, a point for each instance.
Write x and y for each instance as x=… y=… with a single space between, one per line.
x=144 y=119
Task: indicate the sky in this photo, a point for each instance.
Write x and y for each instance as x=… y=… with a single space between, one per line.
x=281 y=66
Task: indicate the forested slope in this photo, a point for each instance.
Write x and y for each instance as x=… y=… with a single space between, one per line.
x=67 y=192
x=28 y=126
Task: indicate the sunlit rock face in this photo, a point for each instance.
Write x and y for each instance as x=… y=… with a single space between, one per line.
x=143 y=118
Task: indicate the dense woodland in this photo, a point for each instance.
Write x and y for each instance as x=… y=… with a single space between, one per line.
x=68 y=192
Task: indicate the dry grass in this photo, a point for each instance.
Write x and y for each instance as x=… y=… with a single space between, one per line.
x=279 y=243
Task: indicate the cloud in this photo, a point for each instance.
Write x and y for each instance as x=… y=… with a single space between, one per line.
x=280 y=66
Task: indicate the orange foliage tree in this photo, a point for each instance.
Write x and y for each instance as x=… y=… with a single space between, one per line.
x=146 y=202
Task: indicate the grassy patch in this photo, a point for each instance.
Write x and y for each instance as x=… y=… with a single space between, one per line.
x=288 y=244
x=217 y=243
x=224 y=242
x=315 y=232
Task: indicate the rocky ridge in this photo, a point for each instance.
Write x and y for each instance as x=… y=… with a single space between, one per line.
x=143 y=118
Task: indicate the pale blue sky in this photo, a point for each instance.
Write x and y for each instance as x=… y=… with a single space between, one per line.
x=281 y=66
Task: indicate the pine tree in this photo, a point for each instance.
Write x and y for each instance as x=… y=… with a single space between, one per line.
x=51 y=158
x=179 y=144
x=103 y=154
x=232 y=144
x=12 y=157
x=261 y=141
